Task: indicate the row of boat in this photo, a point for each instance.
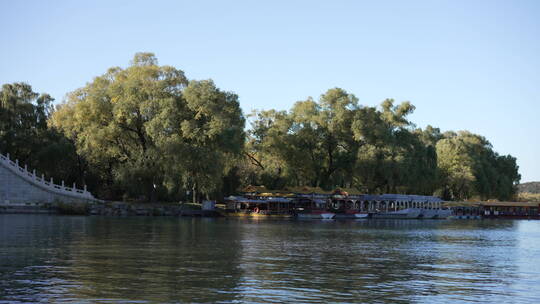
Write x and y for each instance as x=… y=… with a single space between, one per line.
x=329 y=208
x=411 y=213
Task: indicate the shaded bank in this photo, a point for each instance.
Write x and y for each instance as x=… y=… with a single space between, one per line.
x=108 y=209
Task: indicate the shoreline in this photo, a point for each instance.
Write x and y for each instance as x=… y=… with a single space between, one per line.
x=107 y=209
x=142 y=210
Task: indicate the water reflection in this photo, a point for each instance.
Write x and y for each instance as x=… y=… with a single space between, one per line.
x=99 y=259
x=370 y=260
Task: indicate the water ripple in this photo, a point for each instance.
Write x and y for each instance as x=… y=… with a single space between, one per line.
x=49 y=259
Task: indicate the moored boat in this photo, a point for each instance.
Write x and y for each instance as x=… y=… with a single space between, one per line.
x=259 y=208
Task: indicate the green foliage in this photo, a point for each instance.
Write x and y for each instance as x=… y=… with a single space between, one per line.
x=24 y=134
x=471 y=168
x=337 y=143
x=153 y=132
x=23 y=119
x=146 y=132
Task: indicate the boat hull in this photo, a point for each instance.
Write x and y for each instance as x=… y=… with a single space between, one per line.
x=465 y=217
x=316 y=215
x=351 y=216
x=257 y=215
x=410 y=213
x=435 y=213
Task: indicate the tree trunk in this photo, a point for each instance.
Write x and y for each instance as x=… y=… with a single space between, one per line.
x=153 y=196
x=194 y=190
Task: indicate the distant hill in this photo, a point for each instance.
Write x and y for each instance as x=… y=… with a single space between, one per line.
x=532 y=187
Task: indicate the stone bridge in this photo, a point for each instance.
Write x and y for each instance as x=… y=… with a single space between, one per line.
x=20 y=186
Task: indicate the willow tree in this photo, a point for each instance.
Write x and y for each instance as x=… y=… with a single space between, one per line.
x=23 y=120
x=24 y=134
x=391 y=157
x=335 y=142
x=310 y=145
x=268 y=149
x=471 y=168
x=145 y=127
x=202 y=140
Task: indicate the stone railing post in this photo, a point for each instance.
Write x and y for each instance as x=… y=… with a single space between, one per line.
x=74 y=187
x=7 y=155
x=17 y=162
x=34 y=173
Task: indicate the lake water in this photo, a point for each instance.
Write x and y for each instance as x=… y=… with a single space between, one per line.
x=63 y=259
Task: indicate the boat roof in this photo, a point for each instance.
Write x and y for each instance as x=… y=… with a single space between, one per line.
x=241 y=199
x=491 y=204
x=344 y=193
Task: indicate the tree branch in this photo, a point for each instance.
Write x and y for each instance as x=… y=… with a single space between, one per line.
x=254 y=161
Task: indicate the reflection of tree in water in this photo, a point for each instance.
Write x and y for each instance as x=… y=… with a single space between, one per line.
x=394 y=260
x=158 y=259
x=474 y=259
x=322 y=260
x=34 y=252
x=43 y=258
x=199 y=260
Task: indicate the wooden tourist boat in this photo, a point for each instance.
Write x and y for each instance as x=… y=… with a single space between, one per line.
x=259 y=208
x=315 y=203
x=345 y=208
x=312 y=208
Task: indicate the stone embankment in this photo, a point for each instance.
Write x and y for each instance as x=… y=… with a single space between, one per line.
x=106 y=209
x=128 y=209
x=27 y=209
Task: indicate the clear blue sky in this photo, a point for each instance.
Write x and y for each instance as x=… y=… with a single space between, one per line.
x=471 y=65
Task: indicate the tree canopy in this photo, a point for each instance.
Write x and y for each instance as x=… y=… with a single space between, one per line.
x=151 y=130
x=470 y=167
x=334 y=142
x=24 y=134
x=147 y=132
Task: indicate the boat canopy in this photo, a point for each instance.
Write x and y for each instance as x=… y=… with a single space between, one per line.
x=241 y=199
x=279 y=200
x=399 y=197
x=491 y=204
x=340 y=193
